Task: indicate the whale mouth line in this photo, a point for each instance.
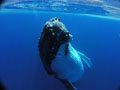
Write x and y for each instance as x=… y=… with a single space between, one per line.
x=66 y=49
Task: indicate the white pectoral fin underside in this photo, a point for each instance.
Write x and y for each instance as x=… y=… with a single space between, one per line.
x=85 y=59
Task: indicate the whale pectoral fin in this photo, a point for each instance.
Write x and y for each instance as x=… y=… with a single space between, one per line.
x=85 y=59
x=68 y=85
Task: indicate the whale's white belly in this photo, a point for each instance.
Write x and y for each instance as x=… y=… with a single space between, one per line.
x=68 y=67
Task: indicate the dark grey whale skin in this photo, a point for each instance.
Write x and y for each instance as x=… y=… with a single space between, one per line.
x=53 y=35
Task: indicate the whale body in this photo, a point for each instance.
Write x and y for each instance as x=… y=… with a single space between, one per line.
x=58 y=56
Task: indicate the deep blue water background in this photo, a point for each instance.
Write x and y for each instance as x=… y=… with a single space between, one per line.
x=20 y=64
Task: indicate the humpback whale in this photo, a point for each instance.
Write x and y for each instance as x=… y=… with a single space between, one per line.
x=58 y=56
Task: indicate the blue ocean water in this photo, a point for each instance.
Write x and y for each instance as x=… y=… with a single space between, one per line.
x=96 y=36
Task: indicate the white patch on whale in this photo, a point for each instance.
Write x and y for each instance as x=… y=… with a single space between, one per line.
x=69 y=67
